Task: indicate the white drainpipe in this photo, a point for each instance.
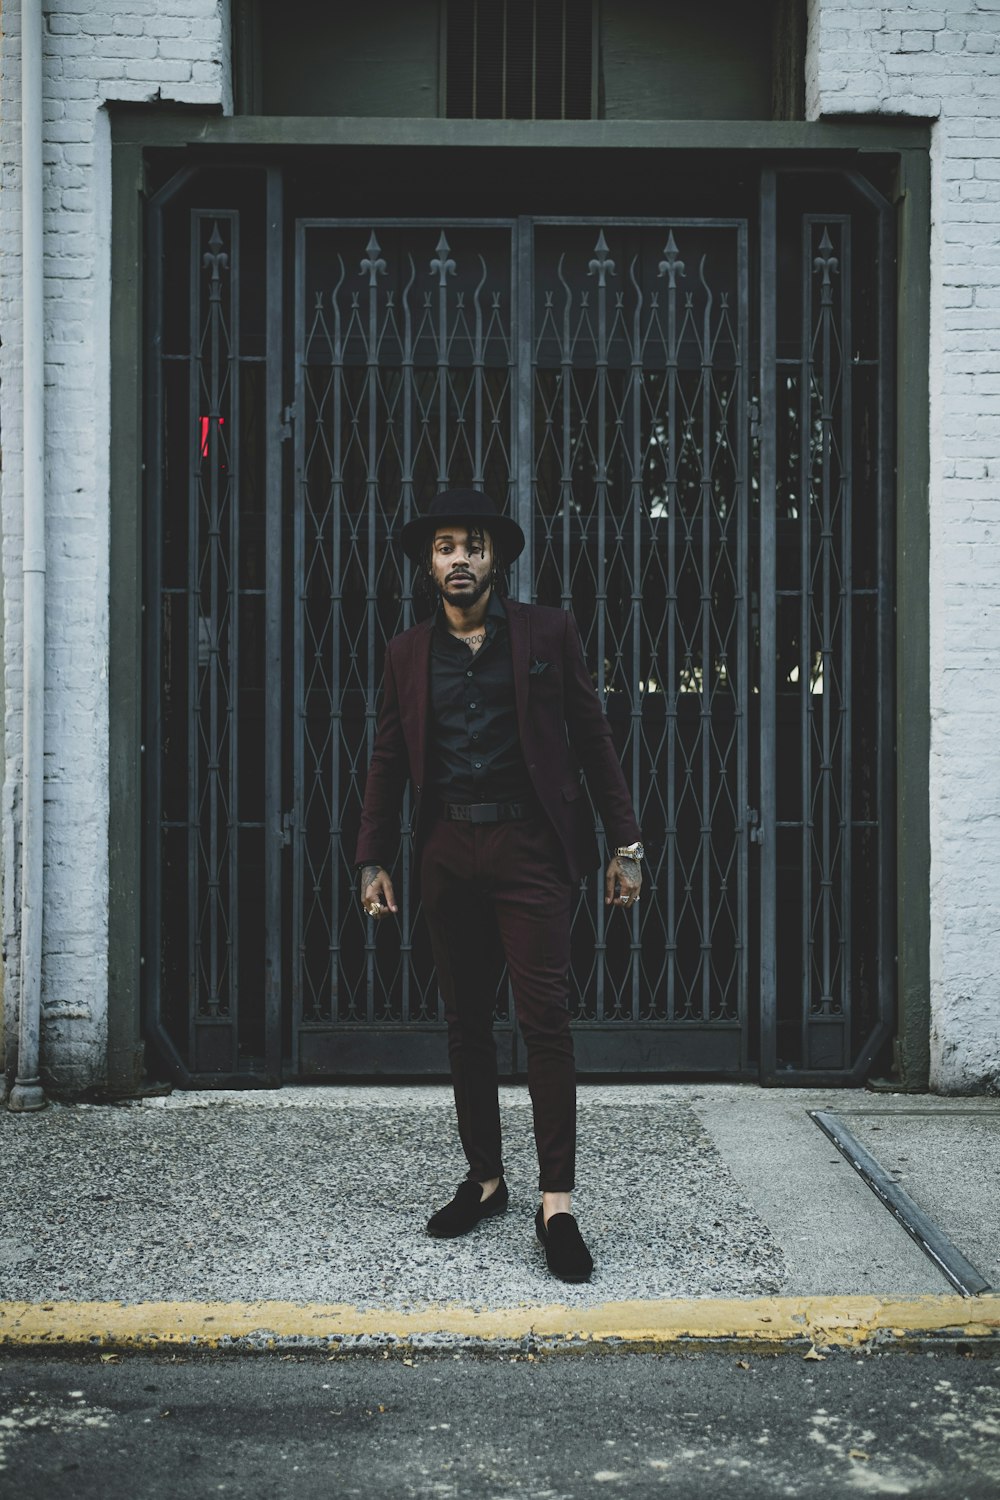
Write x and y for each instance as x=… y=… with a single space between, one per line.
x=27 y=1092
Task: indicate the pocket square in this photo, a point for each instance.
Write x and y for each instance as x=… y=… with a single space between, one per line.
x=537 y=668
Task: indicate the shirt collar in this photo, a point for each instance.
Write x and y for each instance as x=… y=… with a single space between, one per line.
x=496 y=615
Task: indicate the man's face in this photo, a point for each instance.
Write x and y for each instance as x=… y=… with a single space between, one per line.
x=461 y=564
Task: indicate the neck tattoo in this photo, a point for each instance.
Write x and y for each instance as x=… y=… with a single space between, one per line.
x=474 y=641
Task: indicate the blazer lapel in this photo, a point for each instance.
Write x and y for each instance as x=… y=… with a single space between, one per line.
x=517 y=625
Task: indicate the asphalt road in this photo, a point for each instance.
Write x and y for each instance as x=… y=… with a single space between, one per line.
x=455 y=1425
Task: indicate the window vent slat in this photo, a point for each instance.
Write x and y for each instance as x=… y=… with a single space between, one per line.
x=520 y=59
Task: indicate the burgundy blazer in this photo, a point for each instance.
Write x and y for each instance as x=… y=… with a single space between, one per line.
x=562 y=726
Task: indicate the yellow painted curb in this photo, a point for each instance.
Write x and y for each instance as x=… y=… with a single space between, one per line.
x=823 y=1321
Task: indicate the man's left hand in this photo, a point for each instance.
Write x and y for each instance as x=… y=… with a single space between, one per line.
x=623 y=882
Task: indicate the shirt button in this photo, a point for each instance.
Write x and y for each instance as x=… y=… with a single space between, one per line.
x=472 y=705
x=469 y=673
x=479 y=765
x=475 y=736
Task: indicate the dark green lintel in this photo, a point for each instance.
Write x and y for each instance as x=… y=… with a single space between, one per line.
x=159 y=128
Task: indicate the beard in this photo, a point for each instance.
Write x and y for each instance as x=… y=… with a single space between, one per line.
x=466 y=599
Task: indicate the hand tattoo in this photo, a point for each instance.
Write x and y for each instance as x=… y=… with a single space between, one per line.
x=368 y=874
x=629 y=868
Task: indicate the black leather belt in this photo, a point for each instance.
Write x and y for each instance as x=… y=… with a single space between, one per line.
x=486 y=812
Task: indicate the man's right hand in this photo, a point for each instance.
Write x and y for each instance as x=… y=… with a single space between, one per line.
x=377 y=896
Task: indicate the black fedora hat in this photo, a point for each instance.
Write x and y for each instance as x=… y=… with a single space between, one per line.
x=466 y=508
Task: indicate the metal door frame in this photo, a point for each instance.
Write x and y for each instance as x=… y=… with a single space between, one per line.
x=413 y=1046
x=590 y=1038
x=885 y=766
x=600 y=1045
x=135 y=133
x=151 y=570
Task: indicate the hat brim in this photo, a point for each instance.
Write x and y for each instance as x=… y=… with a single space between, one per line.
x=507 y=532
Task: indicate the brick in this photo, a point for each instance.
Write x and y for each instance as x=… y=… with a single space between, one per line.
x=965 y=192
x=67 y=130
x=80 y=45
x=196 y=50
x=920 y=20
x=204 y=10
x=133 y=47
x=206 y=30
x=80 y=154
x=160 y=26
x=156 y=70
x=200 y=93
x=923 y=62
x=67 y=177
x=77 y=198
x=916 y=41
x=96 y=68
x=984 y=21
x=99 y=23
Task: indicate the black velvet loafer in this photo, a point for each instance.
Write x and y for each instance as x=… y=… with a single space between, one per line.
x=565 y=1252
x=466 y=1209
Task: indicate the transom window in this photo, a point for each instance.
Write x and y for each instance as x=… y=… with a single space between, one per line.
x=521 y=60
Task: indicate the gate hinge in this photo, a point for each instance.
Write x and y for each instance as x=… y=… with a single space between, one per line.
x=287 y=420
x=287 y=824
x=756 y=832
x=754 y=417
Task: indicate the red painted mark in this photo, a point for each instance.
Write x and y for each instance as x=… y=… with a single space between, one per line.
x=204 y=423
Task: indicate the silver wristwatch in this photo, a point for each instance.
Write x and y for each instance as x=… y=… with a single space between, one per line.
x=629 y=851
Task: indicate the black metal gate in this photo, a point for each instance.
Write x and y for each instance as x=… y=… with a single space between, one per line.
x=691 y=419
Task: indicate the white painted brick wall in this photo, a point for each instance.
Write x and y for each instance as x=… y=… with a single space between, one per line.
x=94 y=52
x=943 y=62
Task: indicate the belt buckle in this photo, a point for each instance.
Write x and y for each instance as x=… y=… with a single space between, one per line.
x=483 y=812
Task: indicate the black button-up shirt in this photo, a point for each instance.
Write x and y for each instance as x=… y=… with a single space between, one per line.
x=473 y=742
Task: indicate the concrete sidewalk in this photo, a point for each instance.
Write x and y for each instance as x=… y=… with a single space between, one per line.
x=711 y=1205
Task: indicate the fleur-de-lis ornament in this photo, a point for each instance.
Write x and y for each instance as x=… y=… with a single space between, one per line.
x=601 y=265
x=671 y=265
x=215 y=260
x=373 y=262
x=442 y=262
x=827 y=264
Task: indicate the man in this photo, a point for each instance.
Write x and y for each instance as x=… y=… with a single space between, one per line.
x=489 y=710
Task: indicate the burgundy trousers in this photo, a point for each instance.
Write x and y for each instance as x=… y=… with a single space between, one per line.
x=492 y=891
